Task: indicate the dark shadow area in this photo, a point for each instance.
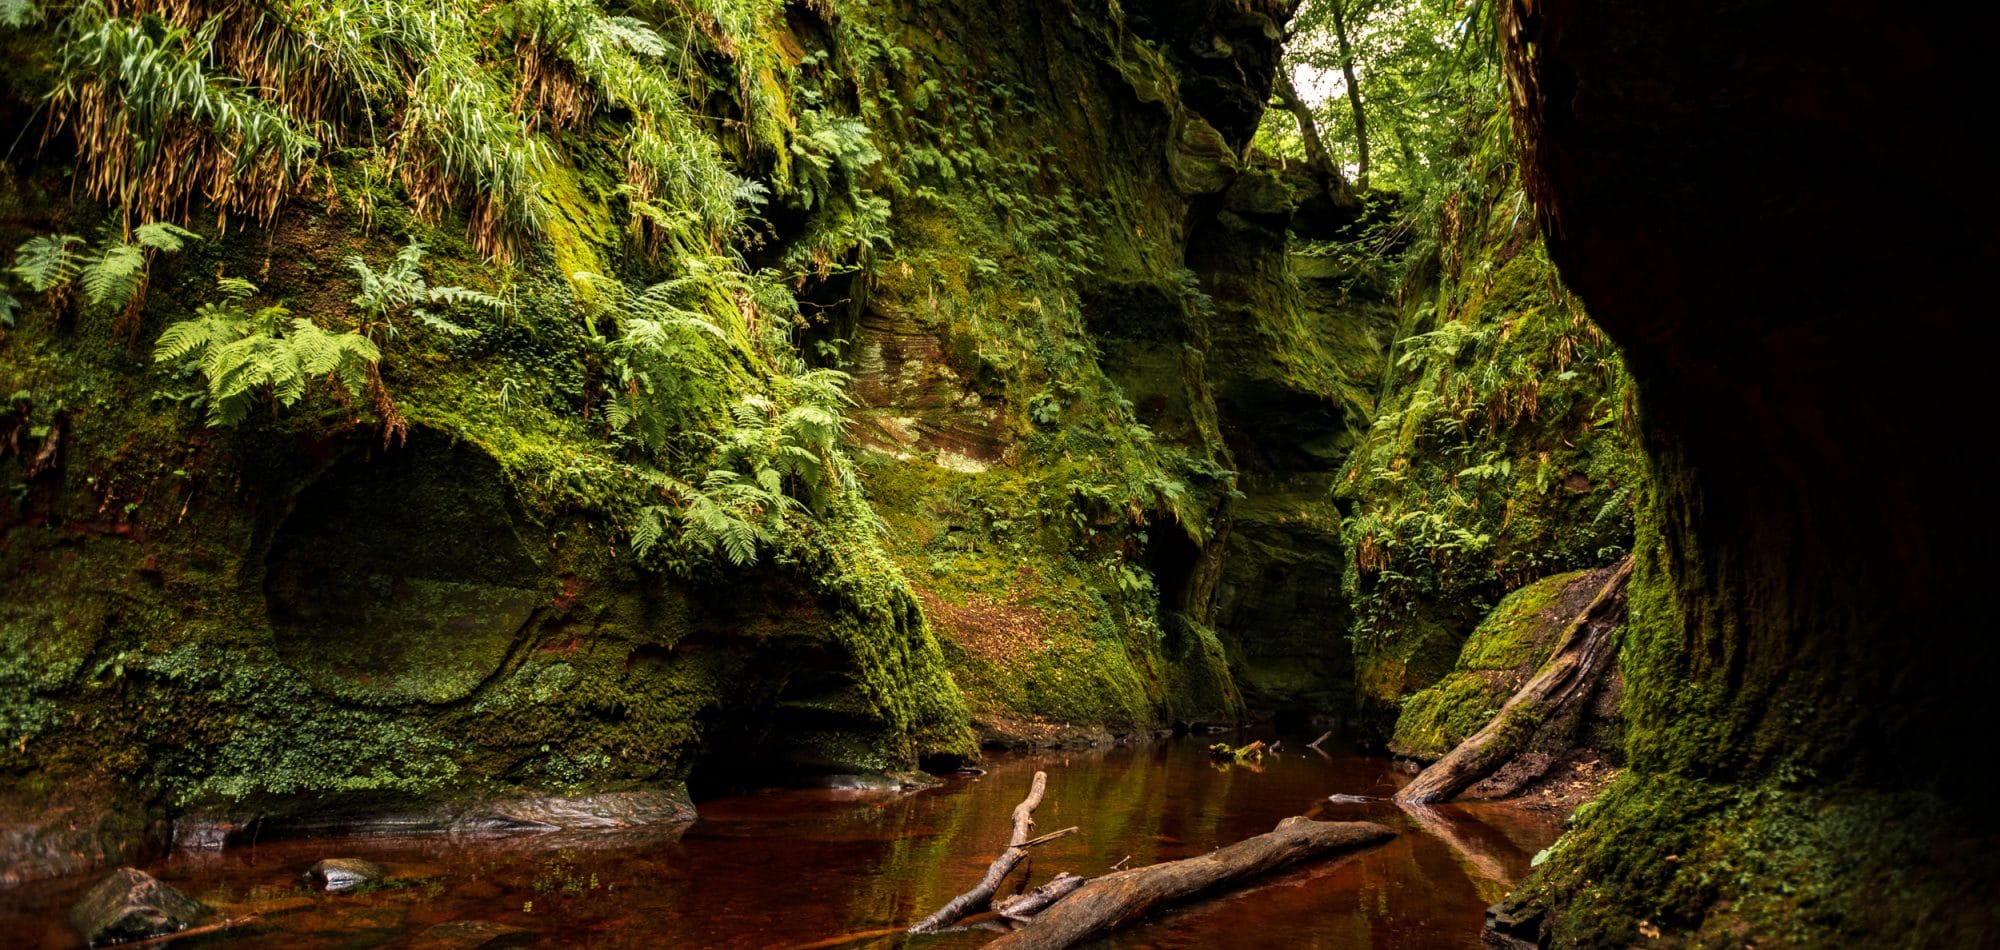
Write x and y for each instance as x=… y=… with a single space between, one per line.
x=398 y=575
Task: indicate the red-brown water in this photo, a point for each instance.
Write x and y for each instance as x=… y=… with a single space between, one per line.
x=790 y=867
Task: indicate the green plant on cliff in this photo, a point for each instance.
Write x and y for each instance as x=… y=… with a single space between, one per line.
x=1500 y=448
x=159 y=122
x=400 y=289
x=647 y=143
x=112 y=272
x=246 y=358
x=778 y=463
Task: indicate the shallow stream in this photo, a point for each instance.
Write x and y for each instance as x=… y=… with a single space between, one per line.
x=787 y=868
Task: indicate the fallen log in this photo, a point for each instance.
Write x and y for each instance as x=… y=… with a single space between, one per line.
x=1024 y=906
x=1106 y=903
x=1563 y=684
x=981 y=895
x=219 y=926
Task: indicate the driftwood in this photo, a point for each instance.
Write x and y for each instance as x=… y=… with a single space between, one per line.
x=1314 y=745
x=981 y=895
x=1564 y=683
x=1114 y=900
x=1024 y=906
x=202 y=931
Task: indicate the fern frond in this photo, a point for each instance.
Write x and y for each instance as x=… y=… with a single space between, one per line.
x=161 y=236
x=18 y=13
x=646 y=533
x=47 y=261
x=457 y=296
x=212 y=326
x=316 y=351
x=112 y=277
x=634 y=36
x=739 y=542
x=444 y=326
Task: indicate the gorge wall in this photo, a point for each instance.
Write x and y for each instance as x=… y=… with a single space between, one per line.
x=1798 y=699
x=1126 y=442
x=1097 y=414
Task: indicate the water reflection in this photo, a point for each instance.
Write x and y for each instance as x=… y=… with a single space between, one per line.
x=790 y=867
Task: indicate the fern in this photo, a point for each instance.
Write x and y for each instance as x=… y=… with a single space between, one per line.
x=400 y=289
x=112 y=277
x=444 y=326
x=247 y=359
x=189 y=339
x=19 y=13
x=47 y=262
x=112 y=272
x=161 y=236
x=631 y=35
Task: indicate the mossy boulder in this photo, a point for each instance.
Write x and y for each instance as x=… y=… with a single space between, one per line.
x=129 y=904
x=1500 y=656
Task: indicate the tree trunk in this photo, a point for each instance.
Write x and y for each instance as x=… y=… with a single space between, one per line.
x=1353 y=93
x=1566 y=681
x=1316 y=156
x=1114 y=900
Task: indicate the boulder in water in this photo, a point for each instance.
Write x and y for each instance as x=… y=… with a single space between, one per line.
x=130 y=904
x=474 y=935
x=344 y=874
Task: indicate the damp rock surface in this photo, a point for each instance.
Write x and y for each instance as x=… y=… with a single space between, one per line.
x=130 y=904
x=344 y=874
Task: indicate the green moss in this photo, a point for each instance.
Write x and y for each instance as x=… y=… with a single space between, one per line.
x=1500 y=655
x=1771 y=863
x=578 y=227
x=1033 y=629
x=1025 y=220
x=1503 y=452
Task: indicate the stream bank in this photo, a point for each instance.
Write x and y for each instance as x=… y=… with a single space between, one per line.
x=785 y=867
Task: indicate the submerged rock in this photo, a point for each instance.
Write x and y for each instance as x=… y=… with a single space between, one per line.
x=880 y=781
x=1512 y=925
x=130 y=904
x=605 y=811
x=474 y=935
x=344 y=874
x=663 y=809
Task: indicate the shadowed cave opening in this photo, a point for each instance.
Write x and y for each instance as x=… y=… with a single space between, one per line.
x=800 y=718
x=399 y=575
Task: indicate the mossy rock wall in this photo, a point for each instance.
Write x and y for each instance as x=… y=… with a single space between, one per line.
x=1800 y=707
x=1503 y=451
x=321 y=609
x=1073 y=358
x=342 y=605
